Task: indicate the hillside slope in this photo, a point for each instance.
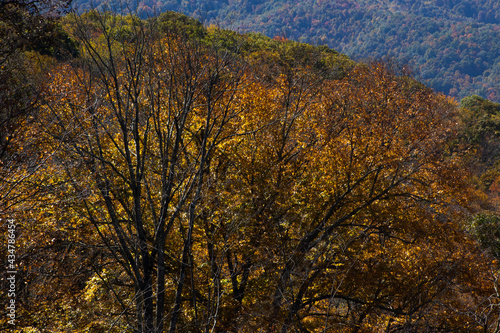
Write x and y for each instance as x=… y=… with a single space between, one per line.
x=171 y=176
x=452 y=45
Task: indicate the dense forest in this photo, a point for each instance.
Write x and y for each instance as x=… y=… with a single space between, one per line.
x=453 y=45
x=160 y=175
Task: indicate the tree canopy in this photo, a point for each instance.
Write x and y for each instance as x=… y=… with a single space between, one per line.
x=185 y=179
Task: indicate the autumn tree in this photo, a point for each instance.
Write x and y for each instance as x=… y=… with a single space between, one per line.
x=30 y=36
x=343 y=180
x=138 y=120
x=213 y=181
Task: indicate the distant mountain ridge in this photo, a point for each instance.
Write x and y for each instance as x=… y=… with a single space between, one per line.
x=454 y=46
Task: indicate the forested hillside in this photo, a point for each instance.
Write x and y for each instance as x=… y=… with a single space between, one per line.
x=454 y=46
x=160 y=175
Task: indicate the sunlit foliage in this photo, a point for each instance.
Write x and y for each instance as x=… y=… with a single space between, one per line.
x=192 y=179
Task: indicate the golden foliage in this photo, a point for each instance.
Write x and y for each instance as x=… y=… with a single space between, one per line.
x=204 y=193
